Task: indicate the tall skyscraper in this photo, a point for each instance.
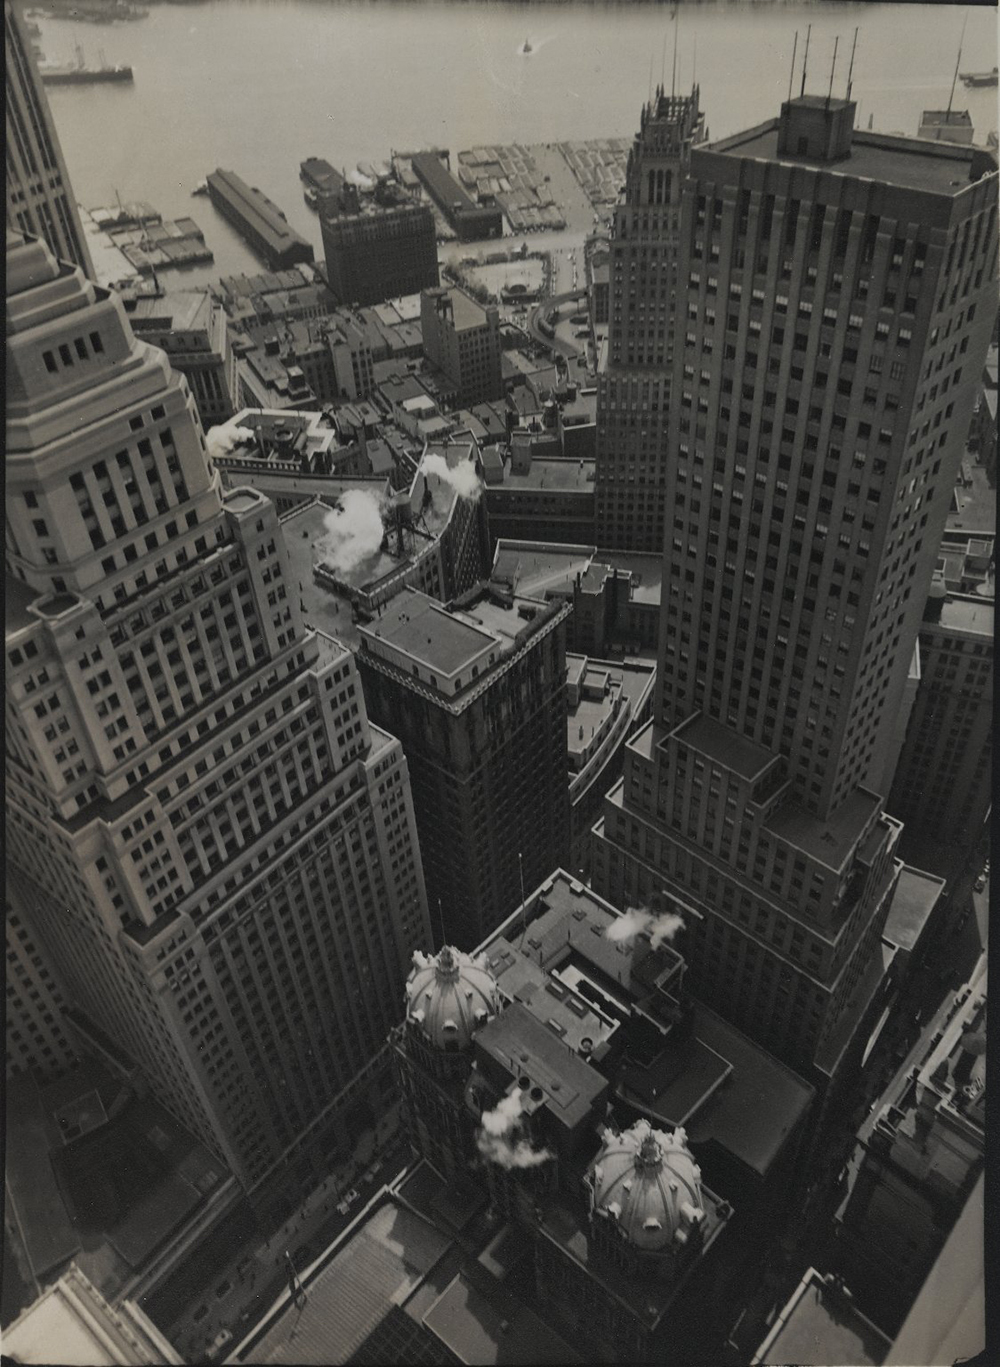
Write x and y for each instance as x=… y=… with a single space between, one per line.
x=633 y=391
x=39 y=196
x=839 y=294
x=215 y=847
x=476 y=692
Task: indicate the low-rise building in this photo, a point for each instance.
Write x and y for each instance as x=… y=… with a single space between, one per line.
x=470 y=221
x=191 y=327
x=820 y=1323
x=942 y=786
x=377 y=247
x=545 y=498
x=462 y=340
x=72 y=1323
x=946 y=125
x=920 y=1156
x=623 y=1132
x=607 y=701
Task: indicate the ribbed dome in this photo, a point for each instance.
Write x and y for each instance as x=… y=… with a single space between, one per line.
x=449 y=995
x=648 y=1182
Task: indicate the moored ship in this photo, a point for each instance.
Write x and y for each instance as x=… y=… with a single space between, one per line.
x=81 y=74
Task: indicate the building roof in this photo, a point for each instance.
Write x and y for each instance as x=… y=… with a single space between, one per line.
x=947 y=118
x=482 y=1330
x=820 y=1325
x=913 y=900
x=540 y=569
x=255 y=209
x=828 y=841
x=554 y=474
x=421 y=628
x=179 y=310
x=969 y=614
x=466 y=312
x=909 y=163
x=716 y=742
x=379 y=1266
x=71 y=1323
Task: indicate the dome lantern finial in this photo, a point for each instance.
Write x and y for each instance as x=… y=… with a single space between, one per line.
x=447 y=965
x=649 y=1154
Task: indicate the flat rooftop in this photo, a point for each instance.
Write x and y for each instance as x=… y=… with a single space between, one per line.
x=541 y=568
x=830 y=841
x=254 y=208
x=646 y=572
x=554 y=474
x=914 y=899
x=969 y=614
x=304 y=527
x=484 y=1330
x=820 y=1325
x=913 y=164
x=723 y=745
x=466 y=313
x=181 y=310
x=421 y=628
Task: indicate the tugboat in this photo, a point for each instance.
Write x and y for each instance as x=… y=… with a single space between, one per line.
x=527 y=50
x=979 y=78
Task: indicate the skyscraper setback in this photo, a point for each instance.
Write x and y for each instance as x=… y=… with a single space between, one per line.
x=837 y=289
x=211 y=841
x=633 y=394
x=39 y=197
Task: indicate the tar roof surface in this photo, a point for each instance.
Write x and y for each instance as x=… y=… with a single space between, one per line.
x=821 y=1328
x=440 y=640
x=378 y=1267
x=915 y=897
x=910 y=163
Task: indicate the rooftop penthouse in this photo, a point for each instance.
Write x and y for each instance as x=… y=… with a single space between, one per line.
x=258 y=220
x=819 y=134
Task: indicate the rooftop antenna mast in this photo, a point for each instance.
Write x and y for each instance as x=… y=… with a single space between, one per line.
x=673 y=75
x=520 y=871
x=791 y=74
x=850 y=69
x=805 y=61
x=833 y=67
x=694 y=66
x=958 y=62
x=441 y=922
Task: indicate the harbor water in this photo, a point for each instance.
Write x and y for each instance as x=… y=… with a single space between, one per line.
x=256 y=86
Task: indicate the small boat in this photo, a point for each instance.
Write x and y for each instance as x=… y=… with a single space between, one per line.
x=527 y=50
x=979 y=78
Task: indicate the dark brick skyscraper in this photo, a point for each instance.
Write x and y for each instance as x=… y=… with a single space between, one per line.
x=39 y=195
x=633 y=395
x=838 y=292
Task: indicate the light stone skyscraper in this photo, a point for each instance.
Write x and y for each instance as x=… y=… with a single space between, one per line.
x=215 y=847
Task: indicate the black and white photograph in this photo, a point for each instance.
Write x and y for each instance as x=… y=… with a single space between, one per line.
x=499 y=596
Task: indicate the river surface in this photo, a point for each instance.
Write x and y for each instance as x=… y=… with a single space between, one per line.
x=255 y=86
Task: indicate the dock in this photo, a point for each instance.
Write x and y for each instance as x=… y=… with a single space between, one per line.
x=259 y=221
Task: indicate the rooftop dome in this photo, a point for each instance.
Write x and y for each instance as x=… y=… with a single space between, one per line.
x=648 y=1182
x=449 y=995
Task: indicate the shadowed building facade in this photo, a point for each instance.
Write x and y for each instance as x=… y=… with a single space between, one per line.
x=39 y=195
x=839 y=293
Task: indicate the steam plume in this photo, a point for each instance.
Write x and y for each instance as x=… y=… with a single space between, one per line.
x=632 y=922
x=498 y=1142
x=219 y=441
x=352 y=531
x=462 y=478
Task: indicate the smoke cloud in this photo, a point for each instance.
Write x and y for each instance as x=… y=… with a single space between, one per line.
x=462 y=478
x=632 y=922
x=498 y=1140
x=352 y=532
x=221 y=440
